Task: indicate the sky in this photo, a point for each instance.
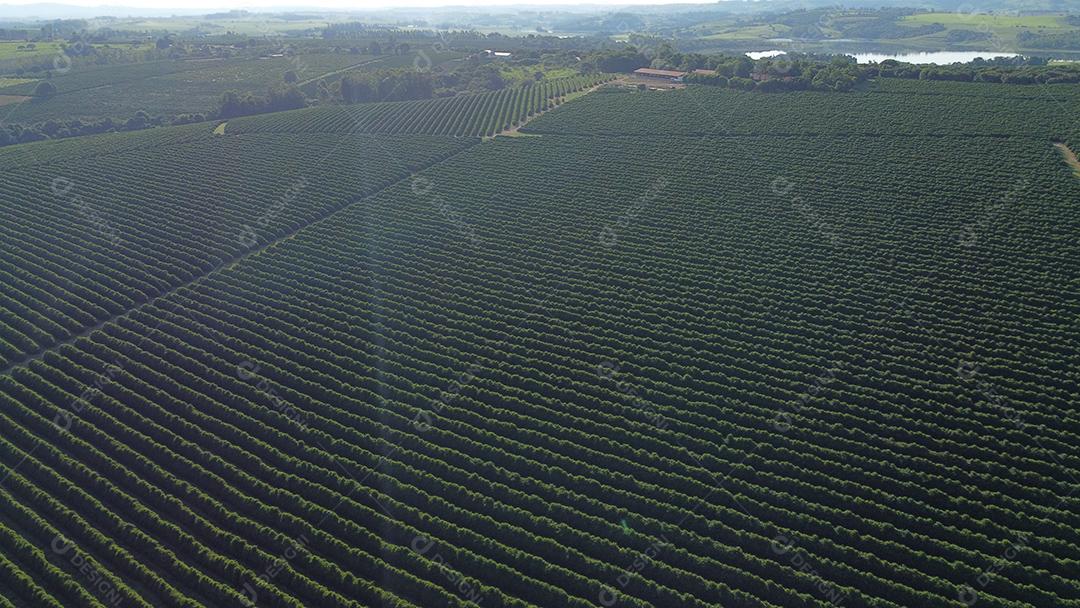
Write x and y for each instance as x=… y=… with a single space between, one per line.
x=186 y=6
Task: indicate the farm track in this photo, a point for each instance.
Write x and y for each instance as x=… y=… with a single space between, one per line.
x=473 y=115
x=1070 y=157
x=790 y=134
x=344 y=69
x=517 y=127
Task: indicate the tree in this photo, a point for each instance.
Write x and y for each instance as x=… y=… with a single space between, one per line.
x=287 y=97
x=290 y=77
x=622 y=60
x=357 y=88
x=231 y=105
x=140 y=121
x=45 y=89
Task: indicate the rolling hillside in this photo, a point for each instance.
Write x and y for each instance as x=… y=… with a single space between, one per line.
x=691 y=348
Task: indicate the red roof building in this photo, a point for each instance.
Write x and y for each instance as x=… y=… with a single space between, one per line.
x=664 y=74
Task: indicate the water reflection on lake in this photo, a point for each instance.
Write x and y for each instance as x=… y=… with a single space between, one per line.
x=764 y=54
x=934 y=57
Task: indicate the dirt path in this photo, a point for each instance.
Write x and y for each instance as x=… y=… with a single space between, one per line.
x=1070 y=157
x=344 y=69
x=6 y=100
x=513 y=131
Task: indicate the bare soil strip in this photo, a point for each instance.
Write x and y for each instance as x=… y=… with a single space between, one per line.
x=10 y=99
x=344 y=69
x=1070 y=157
x=513 y=131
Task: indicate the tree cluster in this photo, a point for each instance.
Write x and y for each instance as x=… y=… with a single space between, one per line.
x=278 y=98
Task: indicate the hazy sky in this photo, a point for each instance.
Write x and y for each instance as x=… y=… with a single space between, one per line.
x=223 y=5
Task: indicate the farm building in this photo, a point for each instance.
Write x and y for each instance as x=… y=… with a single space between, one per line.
x=670 y=75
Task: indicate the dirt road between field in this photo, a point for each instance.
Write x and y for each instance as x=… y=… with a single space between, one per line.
x=513 y=131
x=1070 y=157
x=6 y=100
x=344 y=69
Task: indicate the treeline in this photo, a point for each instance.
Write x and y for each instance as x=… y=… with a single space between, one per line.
x=457 y=39
x=479 y=115
x=278 y=98
x=839 y=75
x=405 y=84
x=233 y=104
x=797 y=72
x=58 y=129
x=1069 y=39
x=395 y=85
x=79 y=51
x=1002 y=70
x=735 y=71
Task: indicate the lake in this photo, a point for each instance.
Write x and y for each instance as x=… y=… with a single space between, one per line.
x=935 y=57
x=764 y=54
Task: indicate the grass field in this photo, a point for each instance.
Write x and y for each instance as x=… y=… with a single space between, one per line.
x=693 y=349
x=10 y=82
x=756 y=31
x=253 y=26
x=11 y=50
x=986 y=20
x=999 y=31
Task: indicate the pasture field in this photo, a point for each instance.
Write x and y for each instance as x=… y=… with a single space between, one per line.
x=8 y=82
x=845 y=31
x=249 y=26
x=751 y=32
x=985 y=20
x=18 y=49
x=683 y=349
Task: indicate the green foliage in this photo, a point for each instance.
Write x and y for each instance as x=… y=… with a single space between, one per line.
x=899 y=107
x=698 y=348
x=45 y=89
x=395 y=85
x=168 y=88
x=475 y=115
x=95 y=223
x=1049 y=40
x=618 y=60
x=279 y=98
x=962 y=36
